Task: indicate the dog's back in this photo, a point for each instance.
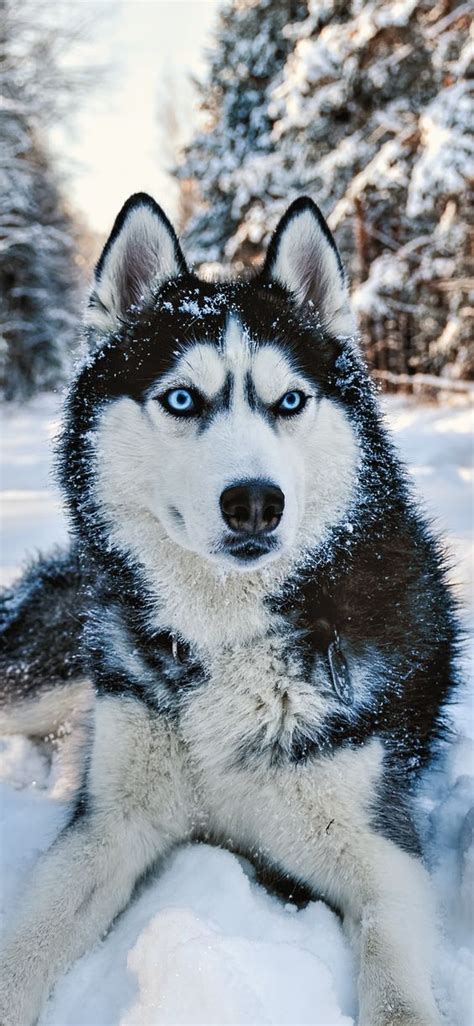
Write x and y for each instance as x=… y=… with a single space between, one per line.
x=42 y=663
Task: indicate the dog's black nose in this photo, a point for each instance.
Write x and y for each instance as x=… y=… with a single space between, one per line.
x=252 y=507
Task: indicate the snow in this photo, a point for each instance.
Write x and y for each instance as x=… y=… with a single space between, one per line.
x=367 y=108
x=31 y=505
x=205 y=943
x=447 y=159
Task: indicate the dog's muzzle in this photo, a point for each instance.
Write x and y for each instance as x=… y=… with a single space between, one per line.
x=252 y=510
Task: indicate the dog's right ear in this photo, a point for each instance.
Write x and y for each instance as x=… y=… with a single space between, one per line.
x=141 y=253
x=304 y=259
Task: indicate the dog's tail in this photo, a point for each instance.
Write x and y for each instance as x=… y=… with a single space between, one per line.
x=42 y=678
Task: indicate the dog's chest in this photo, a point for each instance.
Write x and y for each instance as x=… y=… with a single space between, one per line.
x=260 y=705
x=265 y=777
x=263 y=695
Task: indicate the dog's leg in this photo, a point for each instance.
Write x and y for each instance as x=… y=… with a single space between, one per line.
x=384 y=894
x=391 y=917
x=385 y=899
x=317 y=823
x=136 y=810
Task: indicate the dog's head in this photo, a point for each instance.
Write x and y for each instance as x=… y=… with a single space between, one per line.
x=217 y=420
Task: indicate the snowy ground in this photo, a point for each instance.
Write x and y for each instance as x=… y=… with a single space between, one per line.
x=205 y=944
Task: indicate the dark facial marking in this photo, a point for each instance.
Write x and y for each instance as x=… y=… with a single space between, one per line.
x=253 y=400
x=176 y=514
x=225 y=396
x=220 y=403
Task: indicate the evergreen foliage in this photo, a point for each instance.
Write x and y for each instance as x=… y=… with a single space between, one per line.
x=250 y=49
x=38 y=274
x=371 y=114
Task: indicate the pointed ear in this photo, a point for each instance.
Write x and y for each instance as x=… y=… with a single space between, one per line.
x=141 y=253
x=303 y=257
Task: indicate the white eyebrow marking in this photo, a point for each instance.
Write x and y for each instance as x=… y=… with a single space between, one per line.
x=202 y=366
x=207 y=367
x=273 y=374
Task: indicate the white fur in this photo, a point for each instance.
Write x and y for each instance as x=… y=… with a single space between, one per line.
x=44 y=715
x=307 y=265
x=141 y=807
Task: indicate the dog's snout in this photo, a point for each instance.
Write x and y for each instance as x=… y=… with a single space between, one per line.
x=252 y=507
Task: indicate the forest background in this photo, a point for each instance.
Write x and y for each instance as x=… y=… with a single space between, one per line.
x=366 y=106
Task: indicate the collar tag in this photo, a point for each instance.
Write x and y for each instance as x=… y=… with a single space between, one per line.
x=340 y=676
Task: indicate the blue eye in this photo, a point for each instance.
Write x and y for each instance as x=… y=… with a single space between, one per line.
x=181 y=401
x=291 y=402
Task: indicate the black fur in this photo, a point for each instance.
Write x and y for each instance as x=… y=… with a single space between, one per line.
x=41 y=623
x=220 y=403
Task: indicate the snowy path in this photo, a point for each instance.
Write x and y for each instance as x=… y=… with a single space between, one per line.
x=205 y=944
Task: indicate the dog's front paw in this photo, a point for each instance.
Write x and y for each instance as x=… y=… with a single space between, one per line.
x=410 y=1019
x=399 y=1018
x=21 y=997
x=18 y=1011
x=389 y=1012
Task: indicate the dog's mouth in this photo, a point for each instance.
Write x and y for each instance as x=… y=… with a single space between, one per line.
x=249 y=550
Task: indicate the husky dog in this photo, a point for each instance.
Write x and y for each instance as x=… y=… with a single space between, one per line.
x=261 y=608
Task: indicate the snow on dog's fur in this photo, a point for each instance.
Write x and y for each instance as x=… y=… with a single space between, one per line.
x=264 y=614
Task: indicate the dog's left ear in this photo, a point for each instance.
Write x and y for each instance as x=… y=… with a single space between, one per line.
x=142 y=252
x=303 y=257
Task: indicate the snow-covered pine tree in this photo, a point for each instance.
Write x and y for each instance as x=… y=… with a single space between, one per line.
x=372 y=116
x=249 y=53
x=38 y=273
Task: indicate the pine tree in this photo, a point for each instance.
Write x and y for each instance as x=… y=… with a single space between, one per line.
x=372 y=116
x=38 y=274
x=249 y=52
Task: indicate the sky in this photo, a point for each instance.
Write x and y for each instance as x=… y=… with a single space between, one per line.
x=117 y=142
